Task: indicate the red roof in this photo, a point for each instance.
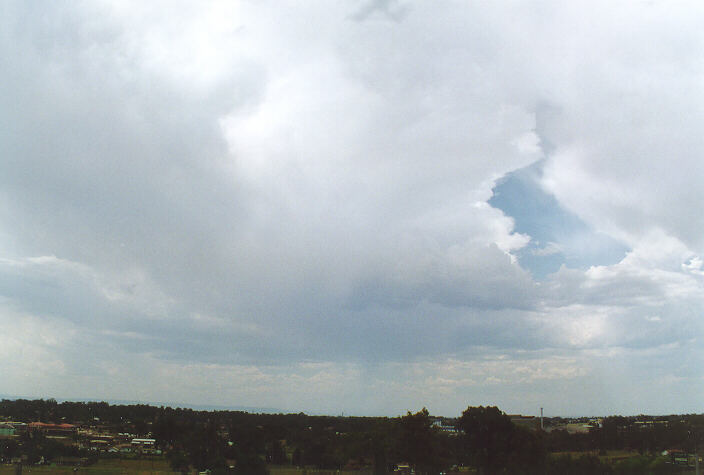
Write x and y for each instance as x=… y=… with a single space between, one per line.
x=43 y=425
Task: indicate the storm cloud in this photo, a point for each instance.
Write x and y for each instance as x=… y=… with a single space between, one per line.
x=293 y=206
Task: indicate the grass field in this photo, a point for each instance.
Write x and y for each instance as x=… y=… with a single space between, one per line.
x=274 y=470
x=611 y=455
x=155 y=466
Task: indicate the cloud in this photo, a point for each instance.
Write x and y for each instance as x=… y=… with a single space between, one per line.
x=391 y=9
x=276 y=197
x=548 y=250
x=621 y=169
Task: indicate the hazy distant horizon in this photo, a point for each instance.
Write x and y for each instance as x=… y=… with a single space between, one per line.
x=261 y=410
x=270 y=410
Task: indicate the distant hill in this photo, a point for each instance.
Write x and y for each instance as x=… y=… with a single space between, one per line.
x=185 y=405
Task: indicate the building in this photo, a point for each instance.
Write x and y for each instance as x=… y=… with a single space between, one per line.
x=60 y=430
x=145 y=446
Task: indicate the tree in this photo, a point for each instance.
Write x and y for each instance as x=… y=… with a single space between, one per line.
x=178 y=461
x=493 y=443
x=418 y=442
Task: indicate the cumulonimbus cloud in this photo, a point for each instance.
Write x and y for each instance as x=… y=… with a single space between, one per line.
x=268 y=186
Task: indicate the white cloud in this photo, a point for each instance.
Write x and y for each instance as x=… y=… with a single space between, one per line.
x=548 y=250
x=625 y=136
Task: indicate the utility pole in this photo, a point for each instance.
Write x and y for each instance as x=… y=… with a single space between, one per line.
x=696 y=455
x=693 y=432
x=542 y=427
x=696 y=461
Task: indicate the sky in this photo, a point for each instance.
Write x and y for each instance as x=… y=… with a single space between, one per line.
x=361 y=207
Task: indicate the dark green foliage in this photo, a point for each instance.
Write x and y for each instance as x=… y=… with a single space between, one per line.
x=178 y=461
x=276 y=453
x=9 y=448
x=493 y=444
x=36 y=446
x=418 y=443
x=528 y=453
x=591 y=464
x=583 y=465
x=487 y=437
x=488 y=441
x=297 y=458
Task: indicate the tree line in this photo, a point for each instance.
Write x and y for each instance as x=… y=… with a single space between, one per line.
x=486 y=439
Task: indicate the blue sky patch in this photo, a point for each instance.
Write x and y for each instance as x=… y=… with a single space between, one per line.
x=557 y=235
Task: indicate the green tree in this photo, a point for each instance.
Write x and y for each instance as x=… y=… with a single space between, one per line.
x=494 y=444
x=418 y=442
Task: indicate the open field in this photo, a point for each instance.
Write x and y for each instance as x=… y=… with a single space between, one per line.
x=274 y=470
x=611 y=455
x=156 y=466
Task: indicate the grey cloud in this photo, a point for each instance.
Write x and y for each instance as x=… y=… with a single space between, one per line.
x=392 y=9
x=618 y=288
x=475 y=278
x=623 y=168
x=242 y=194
